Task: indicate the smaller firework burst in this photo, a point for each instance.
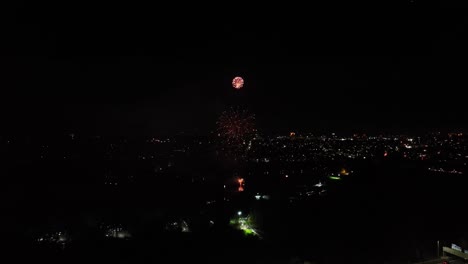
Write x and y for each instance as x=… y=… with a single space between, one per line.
x=236 y=126
x=235 y=129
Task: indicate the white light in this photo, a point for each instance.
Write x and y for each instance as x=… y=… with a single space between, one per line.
x=239 y=213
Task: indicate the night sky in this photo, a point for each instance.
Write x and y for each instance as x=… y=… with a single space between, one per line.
x=136 y=69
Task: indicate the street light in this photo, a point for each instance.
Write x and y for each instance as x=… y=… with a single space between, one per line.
x=239 y=213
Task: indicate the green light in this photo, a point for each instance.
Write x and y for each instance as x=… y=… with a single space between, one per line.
x=244 y=224
x=249 y=231
x=335 y=178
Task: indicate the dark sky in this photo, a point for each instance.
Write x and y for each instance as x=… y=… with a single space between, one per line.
x=141 y=69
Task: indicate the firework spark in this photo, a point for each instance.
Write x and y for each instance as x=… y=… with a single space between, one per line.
x=236 y=127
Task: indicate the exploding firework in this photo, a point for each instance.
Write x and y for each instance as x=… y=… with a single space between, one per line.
x=236 y=127
x=237 y=82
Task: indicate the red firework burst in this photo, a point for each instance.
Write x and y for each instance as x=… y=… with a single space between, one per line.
x=237 y=82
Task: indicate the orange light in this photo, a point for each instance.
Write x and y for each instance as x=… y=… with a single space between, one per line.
x=241 y=184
